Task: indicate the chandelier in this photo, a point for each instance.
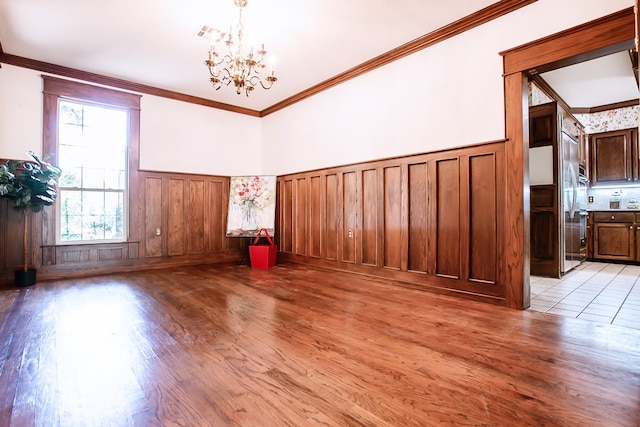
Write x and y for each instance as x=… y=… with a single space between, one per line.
x=230 y=64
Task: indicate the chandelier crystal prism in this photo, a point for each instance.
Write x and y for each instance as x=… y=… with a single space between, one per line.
x=230 y=64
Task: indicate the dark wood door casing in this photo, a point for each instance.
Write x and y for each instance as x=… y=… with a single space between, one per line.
x=612 y=33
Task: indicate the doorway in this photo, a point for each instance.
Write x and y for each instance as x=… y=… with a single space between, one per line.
x=609 y=34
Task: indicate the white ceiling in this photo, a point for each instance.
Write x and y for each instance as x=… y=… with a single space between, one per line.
x=154 y=42
x=602 y=81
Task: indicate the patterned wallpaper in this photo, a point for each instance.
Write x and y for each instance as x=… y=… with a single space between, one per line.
x=537 y=96
x=621 y=118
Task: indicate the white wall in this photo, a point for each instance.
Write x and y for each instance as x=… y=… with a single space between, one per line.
x=445 y=96
x=448 y=95
x=20 y=112
x=174 y=136
x=183 y=137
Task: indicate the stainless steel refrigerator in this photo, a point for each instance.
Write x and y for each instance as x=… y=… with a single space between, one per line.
x=571 y=203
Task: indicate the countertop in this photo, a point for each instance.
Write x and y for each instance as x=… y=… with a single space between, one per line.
x=613 y=210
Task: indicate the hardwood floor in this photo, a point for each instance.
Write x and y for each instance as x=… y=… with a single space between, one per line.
x=296 y=346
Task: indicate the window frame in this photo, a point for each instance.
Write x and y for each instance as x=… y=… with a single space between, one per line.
x=56 y=89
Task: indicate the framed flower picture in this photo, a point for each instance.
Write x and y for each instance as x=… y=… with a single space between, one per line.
x=252 y=205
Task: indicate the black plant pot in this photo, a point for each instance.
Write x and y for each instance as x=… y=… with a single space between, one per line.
x=25 y=278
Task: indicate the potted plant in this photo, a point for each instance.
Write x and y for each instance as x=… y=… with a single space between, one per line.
x=29 y=185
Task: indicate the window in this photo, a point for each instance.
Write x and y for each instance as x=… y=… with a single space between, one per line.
x=93 y=133
x=92 y=142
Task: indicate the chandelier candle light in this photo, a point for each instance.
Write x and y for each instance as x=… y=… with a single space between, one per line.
x=234 y=66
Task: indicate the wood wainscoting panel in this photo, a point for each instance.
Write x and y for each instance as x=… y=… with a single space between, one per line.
x=153 y=216
x=434 y=220
x=13 y=240
x=286 y=221
x=180 y=220
x=73 y=255
x=392 y=225
x=110 y=254
x=301 y=210
x=315 y=216
x=349 y=216
x=332 y=216
x=195 y=217
x=483 y=215
x=176 y=218
x=447 y=226
x=300 y=220
x=418 y=213
x=369 y=240
x=216 y=215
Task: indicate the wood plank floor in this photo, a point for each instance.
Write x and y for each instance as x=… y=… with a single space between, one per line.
x=296 y=346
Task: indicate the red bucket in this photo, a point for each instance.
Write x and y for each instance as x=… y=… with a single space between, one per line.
x=263 y=256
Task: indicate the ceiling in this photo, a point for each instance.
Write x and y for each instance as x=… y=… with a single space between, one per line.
x=602 y=81
x=154 y=42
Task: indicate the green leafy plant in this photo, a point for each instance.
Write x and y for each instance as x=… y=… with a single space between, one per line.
x=29 y=185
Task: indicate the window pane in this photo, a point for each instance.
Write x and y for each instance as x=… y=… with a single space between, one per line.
x=70 y=215
x=92 y=151
x=93 y=178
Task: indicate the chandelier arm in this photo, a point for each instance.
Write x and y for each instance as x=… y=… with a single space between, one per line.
x=271 y=82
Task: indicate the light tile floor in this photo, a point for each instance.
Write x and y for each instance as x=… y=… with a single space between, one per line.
x=597 y=291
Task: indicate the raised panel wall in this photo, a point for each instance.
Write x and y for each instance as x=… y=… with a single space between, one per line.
x=392 y=216
x=189 y=211
x=349 y=216
x=370 y=217
x=315 y=216
x=286 y=220
x=332 y=216
x=447 y=226
x=217 y=194
x=483 y=198
x=195 y=217
x=153 y=217
x=432 y=220
x=176 y=218
x=418 y=213
x=301 y=210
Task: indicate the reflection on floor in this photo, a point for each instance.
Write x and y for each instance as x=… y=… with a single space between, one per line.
x=597 y=291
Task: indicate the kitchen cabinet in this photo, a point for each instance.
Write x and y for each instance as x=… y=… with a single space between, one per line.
x=571 y=127
x=614 y=157
x=544 y=197
x=616 y=235
x=556 y=245
x=589 y=235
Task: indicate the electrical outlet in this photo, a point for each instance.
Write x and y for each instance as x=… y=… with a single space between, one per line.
x=350 y=234
x=590 y=199
x=158 y=231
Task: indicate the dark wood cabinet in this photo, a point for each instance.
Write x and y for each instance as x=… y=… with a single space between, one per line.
x=543 y=125
x=544 y=247
x=614 y=157
x=589 y=235
x=545 y=250
x=615 y=236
